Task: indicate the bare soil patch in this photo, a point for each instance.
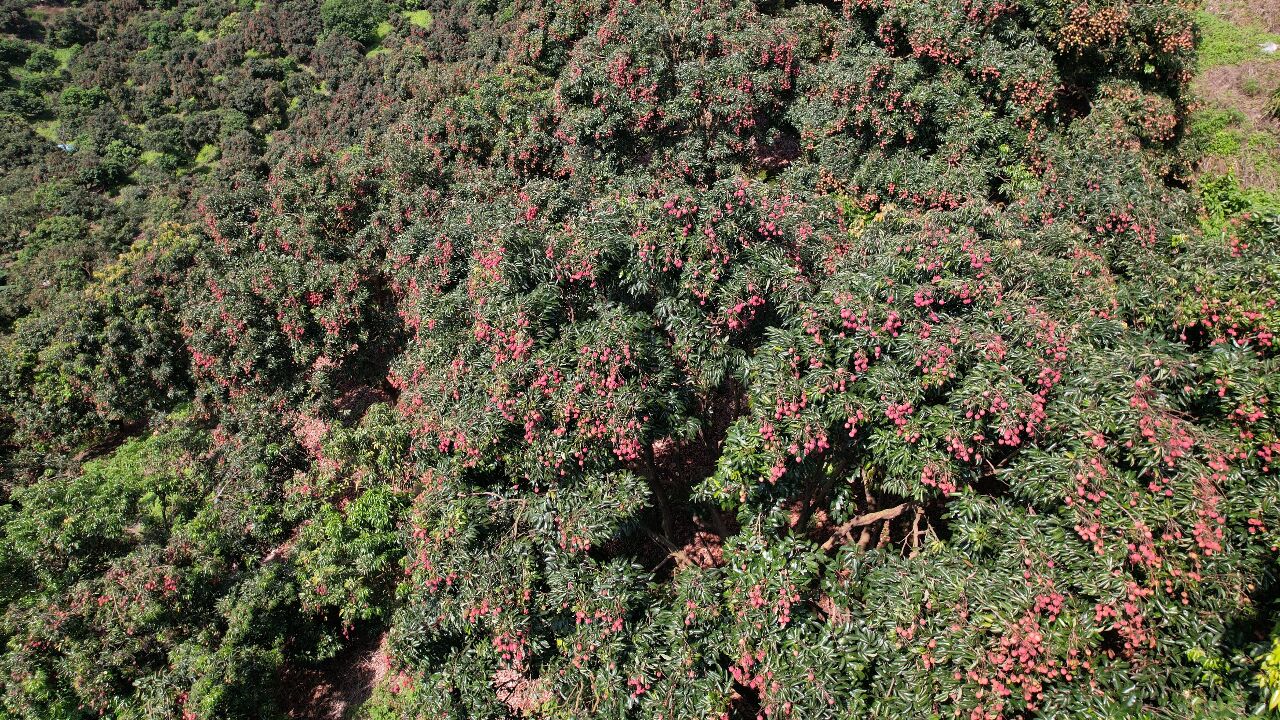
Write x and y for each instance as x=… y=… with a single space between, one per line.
x=336 y=690
x=1245 y=88
x=1257 y=13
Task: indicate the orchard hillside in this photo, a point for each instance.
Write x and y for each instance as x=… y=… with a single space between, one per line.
x=663 y=359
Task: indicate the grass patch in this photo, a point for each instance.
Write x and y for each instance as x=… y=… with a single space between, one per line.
x=418 y=18
x=47 y=129
x=65 y=55
x=1224 y=43
x=1218 y=132
x=208 y=154
x=382 y=31
x=1225 y=140
x=1261 y=142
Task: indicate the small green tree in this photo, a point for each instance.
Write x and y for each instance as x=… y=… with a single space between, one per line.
x=354 y=18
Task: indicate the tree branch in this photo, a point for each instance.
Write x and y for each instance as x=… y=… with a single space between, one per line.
x=862 y=521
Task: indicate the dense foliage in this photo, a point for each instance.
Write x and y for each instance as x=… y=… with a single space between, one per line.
x=679 y=359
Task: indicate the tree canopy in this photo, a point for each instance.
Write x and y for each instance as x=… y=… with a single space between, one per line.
x=650 y=359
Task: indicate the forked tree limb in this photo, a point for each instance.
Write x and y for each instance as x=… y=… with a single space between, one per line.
x=862 y=521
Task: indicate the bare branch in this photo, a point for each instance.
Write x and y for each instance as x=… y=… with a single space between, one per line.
x=863 y=521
